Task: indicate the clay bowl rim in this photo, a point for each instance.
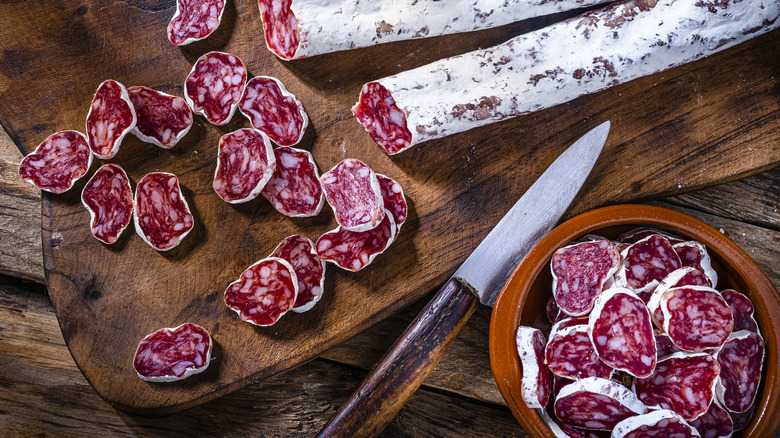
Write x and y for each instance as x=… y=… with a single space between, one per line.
x=507 y=311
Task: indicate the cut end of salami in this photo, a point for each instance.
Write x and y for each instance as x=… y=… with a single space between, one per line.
x=385 y=122
x=264 y=292
x=309 y=270
x=194 y=20
x=162 y=119
x=162 y=217
x=660 y=423
x=111 y=116
x=273 y=110
x=215 y=85
x=537 y=379
x=580 y=272
x=245 y=164
x=109 y=199
x=294 y=189
x=58 y=162
x=354 y=250
x=596 y=404
x=281 y=28
x=172 y=354
x=352 y=190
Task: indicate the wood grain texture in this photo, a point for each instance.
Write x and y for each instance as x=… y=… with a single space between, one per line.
x=667 y=129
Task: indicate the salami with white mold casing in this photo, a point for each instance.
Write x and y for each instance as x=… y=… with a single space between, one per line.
x=194 y=20
x=354 y=250
x=715 y=423
x=596 y=404
x=273 y=110
x=302 y=28
x=162 y=119
x=294 y=188
x=109 y=199
x=353 y=192
x=619 y=327
x=536 y=383
x=637 y=234
x=599 y=49
x=264 y=292
x=741 y=360
x=172 y=354
x=579 y=272
x=694 y=254
x=563 y=430
x=696 y=318
x=215 y=85
x=741 y=309
x=394 y=200
x=685 y=276
x=111 y=116
x=245 y=164
x=662 y=423
x=645 y=264
x=683 y=382
x=309 y=270
x=58 y=162
x=570 y=354
x=162 y=217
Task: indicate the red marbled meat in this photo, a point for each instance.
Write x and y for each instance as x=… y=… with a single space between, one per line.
x=109 y=199
x=354 y=250
x=309 y=270
x=715 y=423
x=294 y=189
x=353 y=192
x=171 y=354
x=214 y=86
x=377 y=112
x=245 y=164
x=536 y=382
x=645 y=264
x=111 y=116
x=656 y=424
x=596 y=404
x=280 y=27
x=741 y=309
x=273 y=110
x=663 y=344
x=58 y=162
x=694 y=254
x=741 y=360
x=579 y=273
x=162 y=217
x=394 y=200
x=194 y=20
x=162 y=119
x=264 y=292
x=552 y=310
x=570 y=354
x=637 y=234
x=685 y=276
x=696 y=317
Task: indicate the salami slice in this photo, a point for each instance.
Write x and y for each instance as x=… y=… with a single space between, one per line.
x=162 y=119
x=540 y=69
x=536 y=380
x=622 y=333
x=111 y=116
x=58 y=162
x=294 y=189
x=273 y=110
x=109 y=199
x=570 y=354
x=162 y=217
x=682 y=382
x=214 y=86
x=741 y=309
x=264 y=292
x=394 y=200
x=645 y=264
x=245 y=164
x=741 y=420
x=194 y=20
x=354 y=250
x=696 y=317
x=741 y=360
x=563 y=430
x=596 y=404
x=694 y=255
x=637 y=234
x=552 y=310
x=353 y=192
x=309 y=270
x=579 y=272
x=715 y=423
x=171 y=354
x=663 y=345
x=685 y=276
x=661 y=423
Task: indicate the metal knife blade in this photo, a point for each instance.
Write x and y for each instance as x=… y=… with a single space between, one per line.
x=532 y=216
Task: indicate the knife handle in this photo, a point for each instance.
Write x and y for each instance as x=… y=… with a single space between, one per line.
x=404 y=367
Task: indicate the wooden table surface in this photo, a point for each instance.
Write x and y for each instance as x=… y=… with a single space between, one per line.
x=43 y=393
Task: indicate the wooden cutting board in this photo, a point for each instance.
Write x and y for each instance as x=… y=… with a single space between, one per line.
x=711 y=121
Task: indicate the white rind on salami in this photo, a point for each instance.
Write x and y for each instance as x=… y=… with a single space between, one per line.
x=108 y=198
x=353 y=192
x=161 y=119
x=162 y=216
x=58 y=162
x=596 y=404
x=637 y=234
x=171 y=354
x=662 y=423
x=309 y=270
x=645 y=264
x=694 y=254
x=536 y=383
x=585 y=54
x=194 y=20
x=245 y=164
x=273 y=110
x=570 y=354
x=696 y=318
x=294 y=189
x=354 y=250
x=741 y=360
x=111 y=116
x=580 y=272
x=214 y=86
x=264 y=292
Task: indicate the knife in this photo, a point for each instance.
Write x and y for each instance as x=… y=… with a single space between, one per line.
x=481 y=277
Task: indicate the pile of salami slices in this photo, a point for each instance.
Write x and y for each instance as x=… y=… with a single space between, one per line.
x=642 y=344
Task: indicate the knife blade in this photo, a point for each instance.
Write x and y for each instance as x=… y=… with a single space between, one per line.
x=481 y=277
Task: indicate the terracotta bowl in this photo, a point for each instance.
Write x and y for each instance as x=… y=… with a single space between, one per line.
x=523 y=301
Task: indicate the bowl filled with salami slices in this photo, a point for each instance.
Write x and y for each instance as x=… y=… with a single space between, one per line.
x=635 y=321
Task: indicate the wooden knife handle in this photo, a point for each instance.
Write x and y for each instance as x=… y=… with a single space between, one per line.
x=404 y=367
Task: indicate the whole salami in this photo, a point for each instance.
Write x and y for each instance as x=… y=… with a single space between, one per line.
x=537 y=379
x=579 y=272
x=194 y=20
x=596 y=404
x=741 y=360
x=352 y=190
x=172 y=354
x=273 y=110
x=215 y=85
x=162 y=119
x=662 y=423
x=162 y=217
x=294 y=189
x=109 y=199
x=245 y=164
x=111 y=116
x=309 y=270
x=58 y=162
x=264 y=292
x=585 y=54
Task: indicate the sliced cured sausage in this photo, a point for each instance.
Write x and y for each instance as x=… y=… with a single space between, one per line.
x=741 y=420
x=194 y=20
x=58 y=162
x=561 y=429
x=741 y=309
x=214 y=86
x=309 y=270
x=171 y=354
x=111 y=116
x=741 y=360
x=394 y=200
x=694 y=255
x=536 y=381
x=540 y=69
x=354 y=250
x=273 y=110
x=245 y=164
x=663 y=345
x=552 y=310
x=570 y=354
x=685 y=276
x=662 y=423
x=353 y=192
x=109 y=199
x=637 y=234
x=162 y=217
x=294 y=189
x=682 y=382
x=715 y=423
x=696 y=317
x=264 y=292
x=596 y=404
x=579 y=272
x=162 y=119
x=645 y=264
